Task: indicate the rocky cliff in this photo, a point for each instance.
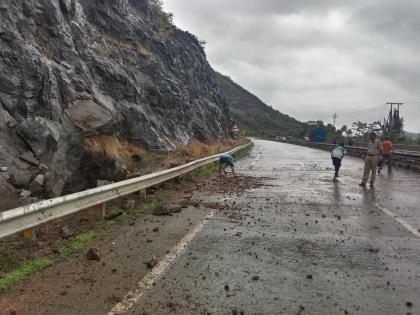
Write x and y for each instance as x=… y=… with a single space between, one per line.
x=71 y=70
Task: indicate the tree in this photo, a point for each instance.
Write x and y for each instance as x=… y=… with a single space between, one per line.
x=165 y=19
x=376 y=126
x=360 y=129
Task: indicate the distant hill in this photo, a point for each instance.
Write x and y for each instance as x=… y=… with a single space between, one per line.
x=412 y=135
x=254 y=116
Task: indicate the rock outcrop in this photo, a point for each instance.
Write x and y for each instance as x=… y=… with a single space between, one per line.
x=72 y=69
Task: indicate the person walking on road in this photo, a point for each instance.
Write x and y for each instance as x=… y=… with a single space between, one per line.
x=337 y=156
x=374 y=150
x=388 y=150
x=224 y=161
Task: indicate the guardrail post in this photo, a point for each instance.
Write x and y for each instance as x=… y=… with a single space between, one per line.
x=101 y=211
x=29 y=235
x=143 y=194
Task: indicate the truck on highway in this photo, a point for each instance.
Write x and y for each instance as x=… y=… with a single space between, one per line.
x=318 y=135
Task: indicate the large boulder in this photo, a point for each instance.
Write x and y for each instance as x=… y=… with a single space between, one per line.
x=40 y=134
x=9 y=196
x=88 y=115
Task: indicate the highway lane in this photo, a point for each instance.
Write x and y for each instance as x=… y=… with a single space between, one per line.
x=300 y=244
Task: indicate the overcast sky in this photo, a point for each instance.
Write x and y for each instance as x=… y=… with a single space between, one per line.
x=311 y=58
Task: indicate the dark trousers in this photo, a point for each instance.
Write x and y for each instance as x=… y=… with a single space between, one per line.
x=337 y=165
x=388 y=159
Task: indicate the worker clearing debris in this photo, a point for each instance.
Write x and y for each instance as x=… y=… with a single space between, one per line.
x=224 y=161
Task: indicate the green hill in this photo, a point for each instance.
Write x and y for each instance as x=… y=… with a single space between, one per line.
x=254 y=116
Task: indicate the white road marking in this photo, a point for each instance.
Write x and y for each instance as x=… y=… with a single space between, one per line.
x=133 y=297
x=399 y=220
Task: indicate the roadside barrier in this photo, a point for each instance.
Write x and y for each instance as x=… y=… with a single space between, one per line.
x=406 y=160
x=27 y=217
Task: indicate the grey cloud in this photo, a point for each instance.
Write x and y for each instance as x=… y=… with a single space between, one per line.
x=311 y=58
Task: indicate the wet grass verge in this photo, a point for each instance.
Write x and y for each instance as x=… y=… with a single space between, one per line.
x=18 y=273
x=77 y=244
x=23 y=271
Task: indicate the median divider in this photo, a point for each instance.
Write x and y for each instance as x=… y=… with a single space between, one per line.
x=30 y=216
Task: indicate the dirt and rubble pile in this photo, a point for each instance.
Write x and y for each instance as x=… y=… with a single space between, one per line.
x=75 y=69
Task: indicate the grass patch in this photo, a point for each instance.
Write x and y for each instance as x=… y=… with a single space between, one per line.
x=24 y=271
x=111 y=147
x=205 y=171
x=160 y=199
x=145 y=207
x=197 y=150
x=42 y=40
x=18 y=273
x=243 y=153
x=143 y=51
x=77 y=244
x=119 y=43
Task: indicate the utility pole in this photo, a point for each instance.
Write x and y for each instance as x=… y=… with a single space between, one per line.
x=335 y=117
x=395 y=103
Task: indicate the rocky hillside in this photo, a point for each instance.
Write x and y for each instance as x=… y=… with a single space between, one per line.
x=73 y=70
x=254 y=116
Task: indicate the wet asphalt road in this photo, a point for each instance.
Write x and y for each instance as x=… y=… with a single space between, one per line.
x=301 y=244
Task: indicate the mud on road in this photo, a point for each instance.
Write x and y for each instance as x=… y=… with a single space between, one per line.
x=284 y=239
x=298 y=243
x=82 y=285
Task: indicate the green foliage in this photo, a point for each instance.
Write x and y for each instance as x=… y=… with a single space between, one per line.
x=24 y=271
x=165 y=19
x=360 y=129
x=243 y=153
x=254 y=116
x=77 y=244
x=145 y=207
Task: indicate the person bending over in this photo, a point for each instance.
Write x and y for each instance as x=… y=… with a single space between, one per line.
x=225 y=161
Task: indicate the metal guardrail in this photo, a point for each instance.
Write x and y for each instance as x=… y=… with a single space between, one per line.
x=399 y=147
x=407 y=160
x=30 y=216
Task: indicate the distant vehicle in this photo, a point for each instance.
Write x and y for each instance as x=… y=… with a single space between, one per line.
x=318 y=135
x=306 y=139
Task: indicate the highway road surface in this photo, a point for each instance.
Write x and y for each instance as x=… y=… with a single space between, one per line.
x=281 y=238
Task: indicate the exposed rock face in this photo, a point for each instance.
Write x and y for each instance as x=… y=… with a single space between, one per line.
x=70 y=69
